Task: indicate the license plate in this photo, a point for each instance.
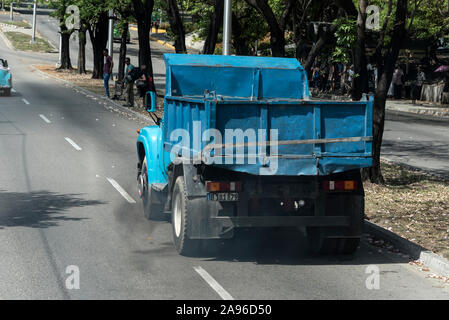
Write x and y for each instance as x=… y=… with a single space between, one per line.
x=225 y=196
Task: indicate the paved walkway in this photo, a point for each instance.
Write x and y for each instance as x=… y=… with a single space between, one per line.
x=420 y=107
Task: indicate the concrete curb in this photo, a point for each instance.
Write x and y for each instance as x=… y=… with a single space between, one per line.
x=435 y=262
x=87 y=92
x=417 y=110
x=416 y=169
x=429 y=111
x=164 y=43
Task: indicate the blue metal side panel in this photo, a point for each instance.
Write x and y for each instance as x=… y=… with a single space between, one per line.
x=151 y=138
x=293 y=120
x=184 y=124
x=343 y=121
x=260 y=94
x=303 y=121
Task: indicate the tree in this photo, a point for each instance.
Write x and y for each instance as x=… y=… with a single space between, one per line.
x=215 y=24
x=277 y=26
x=82 y=48
x=143 y=10
x=360 y=83
x=386 y=54
x=177 y=26
x=123 y=10
x=60 y=13
x=98 y=33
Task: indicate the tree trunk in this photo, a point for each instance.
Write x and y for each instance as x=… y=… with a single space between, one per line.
x=326 y=38
x=215 y=23
x=123 y=49
x=99 y=37
x=82 y=51
x=177 y=27
x=277 y=29
x=399 y=33
x=239 y=43
x=65 y=48
x=143 y=10
x=360 y=83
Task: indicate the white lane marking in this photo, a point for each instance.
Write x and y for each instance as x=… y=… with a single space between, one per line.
x=213 y=284
x=77 y=147
x=44 y=118
x=121 y=190
x=25 y=101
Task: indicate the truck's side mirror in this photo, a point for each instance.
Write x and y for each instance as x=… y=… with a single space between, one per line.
x=6 y=63
x=150 y=101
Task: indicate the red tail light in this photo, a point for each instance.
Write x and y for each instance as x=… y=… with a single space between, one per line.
x=215 y=186
x=343 y=185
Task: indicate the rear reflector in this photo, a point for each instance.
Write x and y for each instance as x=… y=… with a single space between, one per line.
x=346 y=185
x=214 y=186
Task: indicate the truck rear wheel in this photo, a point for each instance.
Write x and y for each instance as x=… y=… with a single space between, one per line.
x=151 y=210
x=320 y=243
x=181 y=221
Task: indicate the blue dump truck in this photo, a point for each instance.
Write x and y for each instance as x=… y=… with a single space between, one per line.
x=242 y=146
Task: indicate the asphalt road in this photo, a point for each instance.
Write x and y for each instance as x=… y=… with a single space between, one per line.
x=67 y=193
x=418 y=141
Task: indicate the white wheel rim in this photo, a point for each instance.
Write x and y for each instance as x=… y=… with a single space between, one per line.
x=177 y=216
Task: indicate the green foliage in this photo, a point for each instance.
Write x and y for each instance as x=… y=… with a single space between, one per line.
x=431 y=19
x=346 y=36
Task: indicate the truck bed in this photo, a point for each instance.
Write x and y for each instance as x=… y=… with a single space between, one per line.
x=313 y=137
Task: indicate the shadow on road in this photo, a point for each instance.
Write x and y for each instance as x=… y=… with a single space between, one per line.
x=276 y=247
x=289 y=247
x=39 y=209
x=423 y=150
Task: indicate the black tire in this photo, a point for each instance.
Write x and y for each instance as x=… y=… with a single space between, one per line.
x=181 y=221
x=321 y=244
x=151 y=210
x=5 y=92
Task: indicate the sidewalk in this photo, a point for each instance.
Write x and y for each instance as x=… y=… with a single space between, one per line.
x=420 y=107
x=193 y=47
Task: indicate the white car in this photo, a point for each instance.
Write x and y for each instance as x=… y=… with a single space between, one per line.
x=5 y=78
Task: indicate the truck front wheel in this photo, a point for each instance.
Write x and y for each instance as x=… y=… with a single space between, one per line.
x=151 y=210
x=181 y=221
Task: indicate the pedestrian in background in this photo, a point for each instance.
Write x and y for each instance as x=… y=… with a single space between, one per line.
x=397 y=82
x=145 y=83
x=420 y=78
x=107 y=70
x=316 y=77
x=253 y=52
x=350 y=76
x=129 y=83
x=325 y=77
